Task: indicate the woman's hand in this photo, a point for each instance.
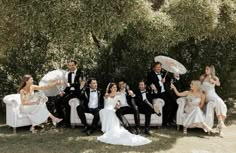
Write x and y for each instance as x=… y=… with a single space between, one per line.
x=212 y=81
x=106 y=95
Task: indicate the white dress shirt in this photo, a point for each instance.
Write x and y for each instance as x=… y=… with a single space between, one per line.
x=161 y=83
x=123 y=99
x=144 y=95
x=93 y=99
x=72 y=75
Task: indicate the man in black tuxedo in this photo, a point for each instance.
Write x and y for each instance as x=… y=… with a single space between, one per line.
x=71 y=91
x=179 y=84
x=144 y=100
x=91 y=102
x=127 y=106
x=156 y=80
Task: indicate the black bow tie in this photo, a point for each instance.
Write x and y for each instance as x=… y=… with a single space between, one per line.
x=158 y=73
x=143 y=92
x=93 y=90
x=72 y=72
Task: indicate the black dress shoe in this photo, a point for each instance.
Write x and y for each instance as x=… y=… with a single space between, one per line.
x=90 y=131
x=147 y=132
x=85 y=129
x=158 y=114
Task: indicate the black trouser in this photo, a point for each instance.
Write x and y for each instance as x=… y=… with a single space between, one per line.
x=174 y=107
x=81 y=110
x=167 y=109
x=129 y=110
x=63 y=108
x=145 y=109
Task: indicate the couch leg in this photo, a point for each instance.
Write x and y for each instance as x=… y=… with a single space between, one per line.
x=72 y=126
x=178 y=127
x=14 y=130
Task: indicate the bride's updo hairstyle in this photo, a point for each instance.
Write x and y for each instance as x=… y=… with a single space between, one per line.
x=197 y=84
x=23 y=82
x=109 y=86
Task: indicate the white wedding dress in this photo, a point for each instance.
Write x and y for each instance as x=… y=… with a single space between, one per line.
x=37 y=113
x=211 y=95
x=194 y=114
x=114 y=133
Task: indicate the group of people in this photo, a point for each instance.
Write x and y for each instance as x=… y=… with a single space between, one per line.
x=110 y=106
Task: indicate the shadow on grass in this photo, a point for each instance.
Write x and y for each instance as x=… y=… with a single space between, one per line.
x=72 y=140
x=60 y=140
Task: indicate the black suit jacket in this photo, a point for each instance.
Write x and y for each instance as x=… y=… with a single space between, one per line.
x=75 y=85
x=85 y=95
x=139 y=98
x=129 y=99
x=152 y=78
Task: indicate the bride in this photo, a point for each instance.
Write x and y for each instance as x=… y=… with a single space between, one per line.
x=114 y=133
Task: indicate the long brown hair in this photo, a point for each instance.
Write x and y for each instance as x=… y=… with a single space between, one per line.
x=23 y=82
x=110 y=85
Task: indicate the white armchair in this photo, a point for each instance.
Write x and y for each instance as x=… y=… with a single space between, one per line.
x=208 y=111
x=75 y=121
x=14 y=118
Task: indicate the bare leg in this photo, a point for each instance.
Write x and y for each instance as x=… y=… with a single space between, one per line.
x=185 y=131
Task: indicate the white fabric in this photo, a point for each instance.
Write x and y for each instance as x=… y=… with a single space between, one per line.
x=37 y=113
x=161 y=84
x=123 y=99
x=181 y=115
x=114 y=133
x=53 y=76
x=144 y=95
x=194 y=115
x=75 y=120
x=211 y=95
x=93 y=99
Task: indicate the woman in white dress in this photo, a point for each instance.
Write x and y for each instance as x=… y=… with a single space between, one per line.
x=209 y=81
x=35 y=108
x=114 y=133
x=195 y=101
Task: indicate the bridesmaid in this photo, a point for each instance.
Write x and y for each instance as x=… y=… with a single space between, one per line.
x=209 y=81
x=195 y=101
x=36 y=110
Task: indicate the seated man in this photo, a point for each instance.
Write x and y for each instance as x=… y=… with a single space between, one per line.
x=91 y=102
x=127 y=106
x=144 y=99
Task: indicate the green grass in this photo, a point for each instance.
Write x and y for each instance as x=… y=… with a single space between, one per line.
x=51 y=140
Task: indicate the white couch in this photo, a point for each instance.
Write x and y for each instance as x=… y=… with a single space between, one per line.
x=75 y=121
x=208 y=112
x=14 y=117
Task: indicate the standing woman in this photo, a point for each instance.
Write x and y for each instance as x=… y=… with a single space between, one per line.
x=195 y=102
x=36 y=110
x=209 y=81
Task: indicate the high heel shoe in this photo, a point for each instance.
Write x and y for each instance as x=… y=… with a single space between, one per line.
x=56 y=120
x=32 y=129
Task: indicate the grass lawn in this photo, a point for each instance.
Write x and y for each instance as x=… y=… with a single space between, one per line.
x=51 y=140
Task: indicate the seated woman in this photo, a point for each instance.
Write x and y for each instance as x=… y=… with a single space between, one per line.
x=36 y=110
x=114 y=133
x=195 y=101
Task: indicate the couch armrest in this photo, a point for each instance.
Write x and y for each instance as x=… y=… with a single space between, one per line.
x=74 y=102
x=180 y=112
x=12 y=100
x=159 y=101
